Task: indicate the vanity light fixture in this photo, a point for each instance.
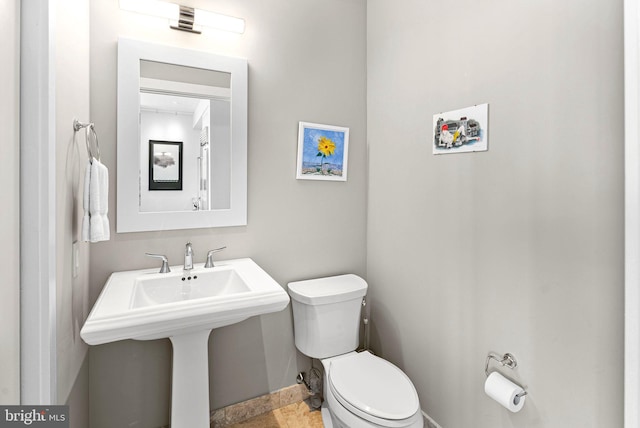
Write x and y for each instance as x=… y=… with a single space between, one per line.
x=184 y=18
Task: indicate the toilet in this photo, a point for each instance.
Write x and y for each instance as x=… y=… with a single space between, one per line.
x=361 y=390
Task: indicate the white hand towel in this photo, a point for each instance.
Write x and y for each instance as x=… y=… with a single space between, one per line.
x=104 y=201
x=96 y=199
x=86 y=237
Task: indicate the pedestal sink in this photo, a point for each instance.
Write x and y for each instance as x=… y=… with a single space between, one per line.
x=146 y=305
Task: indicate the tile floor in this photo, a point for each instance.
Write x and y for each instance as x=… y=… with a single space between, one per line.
x=295 y=415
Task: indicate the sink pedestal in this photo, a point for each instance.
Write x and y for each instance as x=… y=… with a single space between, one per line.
x=190 y=384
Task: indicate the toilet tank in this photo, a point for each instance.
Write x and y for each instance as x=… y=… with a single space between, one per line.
x=326 y=314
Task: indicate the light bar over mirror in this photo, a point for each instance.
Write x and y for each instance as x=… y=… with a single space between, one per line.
x=184 y=18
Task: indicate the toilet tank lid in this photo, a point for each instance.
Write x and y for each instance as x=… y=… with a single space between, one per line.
x=322 y=291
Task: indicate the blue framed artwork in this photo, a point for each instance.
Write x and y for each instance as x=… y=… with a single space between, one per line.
x=322 y=152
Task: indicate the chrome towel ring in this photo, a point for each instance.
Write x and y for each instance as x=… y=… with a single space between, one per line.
x=90 y=135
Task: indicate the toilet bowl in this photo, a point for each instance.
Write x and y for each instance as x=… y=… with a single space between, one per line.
x=361 y=390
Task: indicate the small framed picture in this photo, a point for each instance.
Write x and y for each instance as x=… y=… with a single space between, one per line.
x=322 y=152
x=461 y=131
x=165 y=165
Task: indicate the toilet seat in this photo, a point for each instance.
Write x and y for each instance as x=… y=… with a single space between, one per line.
x=373 y=388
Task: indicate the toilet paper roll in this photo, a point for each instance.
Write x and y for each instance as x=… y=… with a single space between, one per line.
x=504 y=392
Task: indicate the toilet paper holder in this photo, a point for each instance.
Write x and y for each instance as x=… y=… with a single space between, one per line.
x=507 y=360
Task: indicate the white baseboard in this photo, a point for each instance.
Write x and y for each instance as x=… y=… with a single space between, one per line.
x=429 y=422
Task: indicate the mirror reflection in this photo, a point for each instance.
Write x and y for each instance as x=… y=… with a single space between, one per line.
x=181 y=138
x=185 y=138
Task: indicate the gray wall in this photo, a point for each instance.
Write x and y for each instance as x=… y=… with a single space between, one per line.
x=71 y=101
x=10 y=218
x=306 y=63
x=518 y=249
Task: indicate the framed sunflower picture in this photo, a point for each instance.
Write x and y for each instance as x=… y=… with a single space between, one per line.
x=322 y=152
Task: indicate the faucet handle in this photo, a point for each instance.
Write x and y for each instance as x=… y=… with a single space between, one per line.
x=165 y=262
x=209 y=263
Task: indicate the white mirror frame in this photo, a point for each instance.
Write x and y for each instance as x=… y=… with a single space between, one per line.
x=129 y=217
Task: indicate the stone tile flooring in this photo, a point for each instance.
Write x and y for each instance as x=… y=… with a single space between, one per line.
x=295 y=415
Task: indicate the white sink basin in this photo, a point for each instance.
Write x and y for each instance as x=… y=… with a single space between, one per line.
x=165 y=288
x=145 y=304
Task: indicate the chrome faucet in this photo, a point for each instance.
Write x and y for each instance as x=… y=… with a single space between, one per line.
x=165 y=262
x=188 y=259
x=209 y=263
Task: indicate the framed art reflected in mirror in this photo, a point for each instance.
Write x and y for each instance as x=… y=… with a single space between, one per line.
x=165 y=165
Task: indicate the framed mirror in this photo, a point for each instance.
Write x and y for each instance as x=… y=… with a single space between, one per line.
x=181 y=138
